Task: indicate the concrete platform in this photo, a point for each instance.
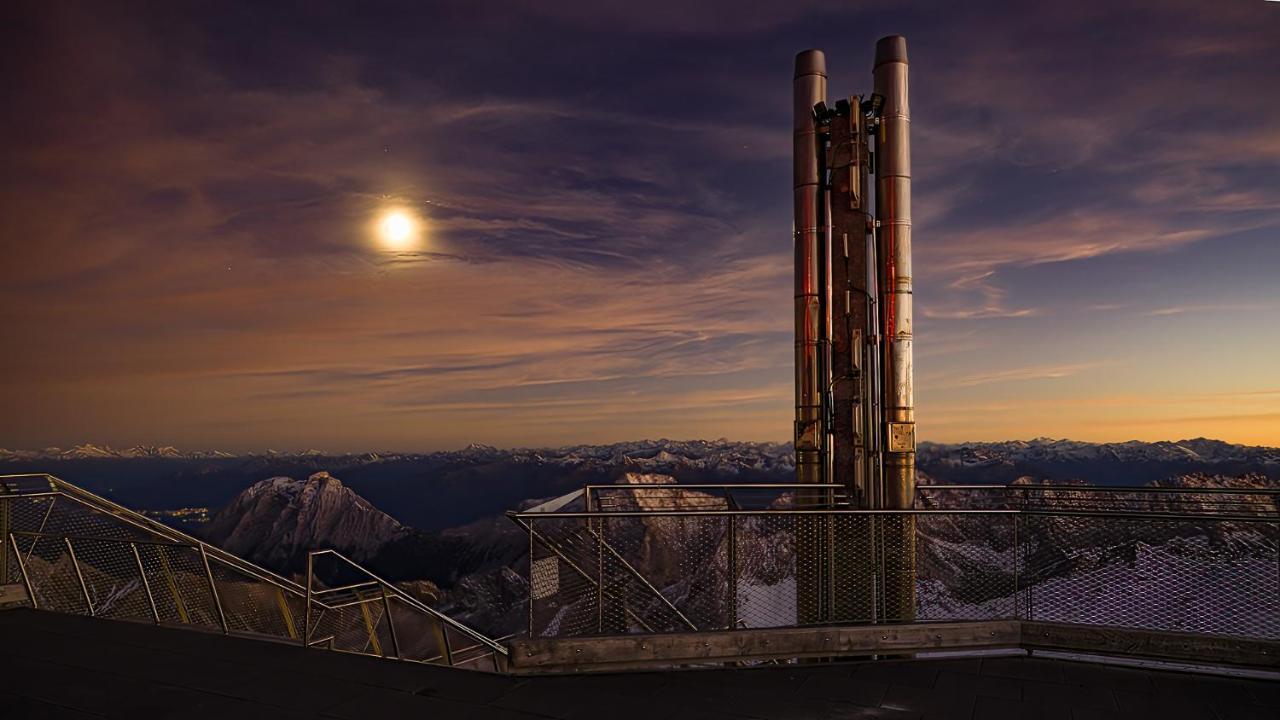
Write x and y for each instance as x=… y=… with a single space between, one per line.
x=67 y=666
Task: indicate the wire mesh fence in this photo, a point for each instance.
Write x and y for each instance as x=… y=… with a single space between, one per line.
x=1222 y=499
x=73 y=552
x=1182 y=574
x=649 y=560
x=710 y=568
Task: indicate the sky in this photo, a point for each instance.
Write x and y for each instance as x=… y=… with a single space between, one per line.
x=191 y=195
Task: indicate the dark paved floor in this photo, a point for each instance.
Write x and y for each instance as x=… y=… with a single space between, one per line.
x=63 y=666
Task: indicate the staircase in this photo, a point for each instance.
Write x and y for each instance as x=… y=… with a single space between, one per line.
x=64 y=549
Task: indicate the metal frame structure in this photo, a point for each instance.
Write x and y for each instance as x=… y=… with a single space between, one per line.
x=1232 y=534
x=854 y=377
x=142 y=570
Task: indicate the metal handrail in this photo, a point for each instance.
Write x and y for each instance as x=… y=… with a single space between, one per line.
x=142 y=522
x=1233 y=499
x=704 y=486
x=1155 y=489
x=993 y=486
x=411 y=601
x=591 y=493
x=913 y=512
x=98 y=538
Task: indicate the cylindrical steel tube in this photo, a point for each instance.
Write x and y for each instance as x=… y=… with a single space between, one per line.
x=893 y=209
x=809 y=88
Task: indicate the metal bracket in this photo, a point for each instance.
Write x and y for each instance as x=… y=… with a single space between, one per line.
x=902 y=437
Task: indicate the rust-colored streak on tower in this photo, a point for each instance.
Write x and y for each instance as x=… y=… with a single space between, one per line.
x=893 y=210
x=809 y=88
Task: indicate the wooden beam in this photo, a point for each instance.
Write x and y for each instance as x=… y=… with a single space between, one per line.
x=618 y=652
x=12 y=594
x=1152 y=644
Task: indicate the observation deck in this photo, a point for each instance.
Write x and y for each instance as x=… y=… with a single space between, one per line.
x=665 y=601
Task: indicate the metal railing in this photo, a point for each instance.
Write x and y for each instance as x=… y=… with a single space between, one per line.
x=671 y=559
x=75 y=552
x=1144 y=498
x=386 y=620
x=754 y=496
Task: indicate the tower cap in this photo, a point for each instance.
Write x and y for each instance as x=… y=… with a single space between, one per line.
x=891 y=48
x=811 y=62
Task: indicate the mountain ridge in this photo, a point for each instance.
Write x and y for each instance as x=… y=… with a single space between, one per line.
x=448 y=489
x=275 y=521
x=659 y=450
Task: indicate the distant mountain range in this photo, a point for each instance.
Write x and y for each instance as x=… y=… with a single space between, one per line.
x=423 y=490
x=726 y=456
x=1126 y=463
x=91 y=451
x=448 y=489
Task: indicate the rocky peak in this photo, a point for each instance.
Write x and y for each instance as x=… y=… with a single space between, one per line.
x=277 y=520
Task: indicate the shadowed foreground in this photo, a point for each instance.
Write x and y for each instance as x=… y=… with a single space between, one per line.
x=58 y=666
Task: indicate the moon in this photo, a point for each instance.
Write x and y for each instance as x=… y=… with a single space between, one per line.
x=398 y=230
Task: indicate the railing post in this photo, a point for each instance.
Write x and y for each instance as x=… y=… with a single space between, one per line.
x=178 y=603
x=22 y=569
x=285 y=613
x=88 y=603
x=877 y=571
x=4 y=541
x=531 y=593
x=829 y=582
x=306 y=624
x=732 y=572
x=444 y=643
x=369 y=625
x=213 y=590
x=1026 y=563
x=1016 y=609
x=599 y=575
x=391 y=623
x=142 y=573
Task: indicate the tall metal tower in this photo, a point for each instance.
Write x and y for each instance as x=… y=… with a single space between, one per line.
x=855 y=414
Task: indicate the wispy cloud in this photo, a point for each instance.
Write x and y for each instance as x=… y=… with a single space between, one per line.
x=1018 y=374
x=1183 y=309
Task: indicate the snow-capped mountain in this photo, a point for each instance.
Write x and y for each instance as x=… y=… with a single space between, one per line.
x=90 y=451
x=1126 y=463
x=468 y=569
x=434 y=491
x=1068 y=451
x=276 y=520
x=726 y=455
x=721 y=456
